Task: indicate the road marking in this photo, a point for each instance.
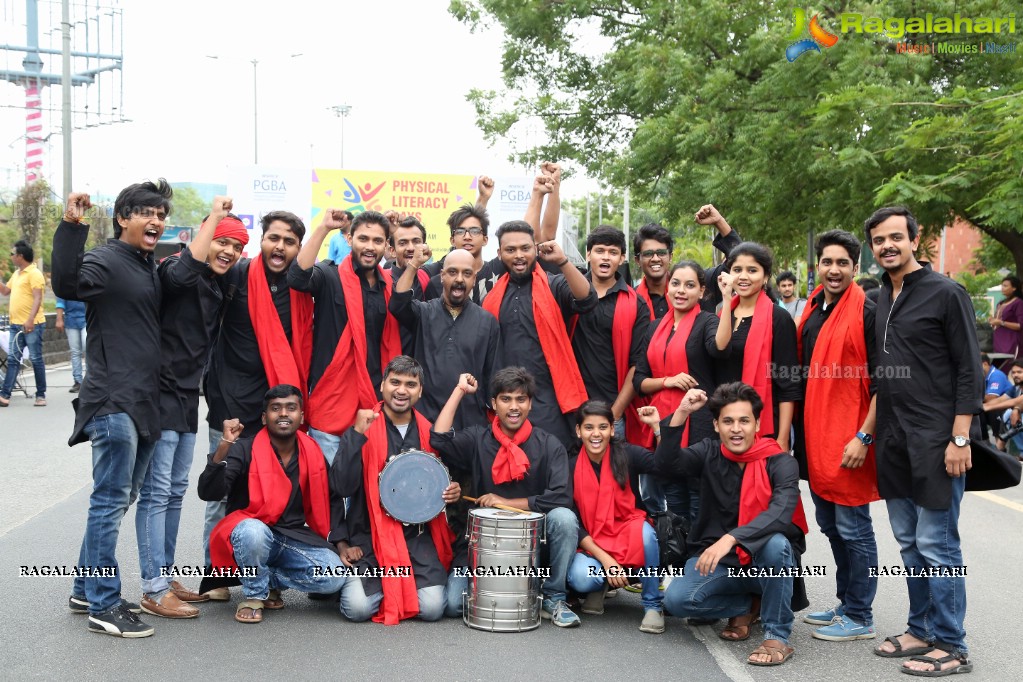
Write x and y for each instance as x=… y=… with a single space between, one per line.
x=998 y=499
x=736 y=670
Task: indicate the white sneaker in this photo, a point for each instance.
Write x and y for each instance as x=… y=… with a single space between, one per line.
x=653 y=622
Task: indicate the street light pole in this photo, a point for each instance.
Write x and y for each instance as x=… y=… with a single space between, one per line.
x=342 y=111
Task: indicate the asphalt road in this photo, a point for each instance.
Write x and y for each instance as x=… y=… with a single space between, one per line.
x=42 y=518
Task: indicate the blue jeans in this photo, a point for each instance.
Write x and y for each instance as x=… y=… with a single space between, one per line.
x=328 y=443
x=930 y=538
x=674 y=494
x=34 y=342
x=359 y=607
x=458 y=585
x=119 y=463
x=159 y=510
x=76 y=342
x=214 y=510
x=586 y=573
x=717 y=595
x=851 y=533
x=281 y=562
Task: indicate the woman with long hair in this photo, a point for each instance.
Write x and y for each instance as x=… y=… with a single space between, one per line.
x=614 y=530
x=1007 y=322
x=762 y=338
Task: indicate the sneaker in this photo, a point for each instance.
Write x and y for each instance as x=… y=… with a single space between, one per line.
x=40 y=401
x=653 y=622
x=81 y=605
x=119 y=622
x=825 y=617
x=594 y=602
x=76 y=388
x=558 y=613
x=844 y=630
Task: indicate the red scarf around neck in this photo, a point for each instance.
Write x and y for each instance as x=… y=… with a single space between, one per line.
x=756 y=359
x=841 y=348
x=755 y=495
x=550 y=328
x=666 y=359
x=270 y=490
x=334 y=400
x=511 y=462
x=400 y=600
x=644 y=292
x=284 y=362
x=608 y=510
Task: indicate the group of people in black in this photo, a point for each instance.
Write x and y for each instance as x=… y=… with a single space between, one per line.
x=541 y=387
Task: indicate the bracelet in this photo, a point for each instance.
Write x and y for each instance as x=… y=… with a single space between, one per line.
x=657 y=434
x=562 y=263
x=227 y=440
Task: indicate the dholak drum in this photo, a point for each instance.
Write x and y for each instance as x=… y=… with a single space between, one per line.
x=412 y=485
x=504 y=585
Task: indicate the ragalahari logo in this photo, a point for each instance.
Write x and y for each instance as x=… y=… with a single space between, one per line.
x=818 y=36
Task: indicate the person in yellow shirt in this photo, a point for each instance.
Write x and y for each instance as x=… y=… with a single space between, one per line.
x=25 y=287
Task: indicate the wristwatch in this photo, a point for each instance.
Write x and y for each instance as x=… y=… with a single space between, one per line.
x=961 y=441
x=865 y=438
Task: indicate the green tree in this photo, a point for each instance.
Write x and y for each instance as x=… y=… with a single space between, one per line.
x=188 y=208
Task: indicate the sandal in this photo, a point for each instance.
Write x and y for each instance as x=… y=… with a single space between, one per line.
x=738 y=628
x=777 y=648
x=273 y=602
x=899 y=651
x=254 y=605
x=964 y=666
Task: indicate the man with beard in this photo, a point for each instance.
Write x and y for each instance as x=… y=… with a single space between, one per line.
x=513 y=463
x=404 y=239
x=354 y=336
x=282 y=508
x=451 y=334
x=189 y=310
x=533 y=308
x=371 y=540
x=264 y=339
x=929 y=388
x=119 y=405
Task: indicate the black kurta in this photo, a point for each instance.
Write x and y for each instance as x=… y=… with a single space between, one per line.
x=121 y=291
x=641 y=461
x=407 y=335
x=236 y=381
x=446 y=347
x=928 y=372
x=346 y=475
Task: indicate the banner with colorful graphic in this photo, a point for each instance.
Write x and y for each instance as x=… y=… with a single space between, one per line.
x=429 y=197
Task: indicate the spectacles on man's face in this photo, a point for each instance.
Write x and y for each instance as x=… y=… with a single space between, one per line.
x=460 y=231
x=663 y=253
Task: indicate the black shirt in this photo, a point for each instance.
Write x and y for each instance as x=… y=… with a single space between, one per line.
x=712 y=293
x=446 y=347
x=407 y=335
x=591 y=342
x=188 y=318
x=237 y=381
x=121 y=290
x=641 y=461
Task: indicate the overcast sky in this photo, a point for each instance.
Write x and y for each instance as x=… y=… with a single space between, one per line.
x=403 y=67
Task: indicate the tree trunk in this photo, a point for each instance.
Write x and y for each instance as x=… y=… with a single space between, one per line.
x=1010 y=239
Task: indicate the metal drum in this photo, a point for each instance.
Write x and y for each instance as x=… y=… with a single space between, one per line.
x=504 y=586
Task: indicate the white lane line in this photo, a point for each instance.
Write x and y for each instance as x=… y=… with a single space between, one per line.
x=998 y=499
x=723 y=656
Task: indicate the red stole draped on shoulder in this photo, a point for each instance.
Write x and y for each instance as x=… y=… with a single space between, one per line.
x=755 y=495
x=838 y=376
x=400 y=599
x=644 y=293
x=270 y=490
x=666 y=359
x=511 y=462
x=756 y=359
x=622 y=328
x=284 y=363
x=345 y=386
x=608 y=510
x=550 y=328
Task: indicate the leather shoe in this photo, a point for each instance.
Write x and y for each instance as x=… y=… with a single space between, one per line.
x=168 y=607
x=185 y=594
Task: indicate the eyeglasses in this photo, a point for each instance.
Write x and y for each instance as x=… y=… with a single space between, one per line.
x=663 y=253
x=460 y=231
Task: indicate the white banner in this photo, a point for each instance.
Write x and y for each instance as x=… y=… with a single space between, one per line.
x=258 y=190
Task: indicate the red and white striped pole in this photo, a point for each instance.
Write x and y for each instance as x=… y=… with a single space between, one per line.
x=33 y=133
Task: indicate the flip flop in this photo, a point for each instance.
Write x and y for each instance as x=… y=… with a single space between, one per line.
x=273 y=601
x=964 y=666
x=899 y=651
x=257 y=611
x=738 y=628
x=772 y=650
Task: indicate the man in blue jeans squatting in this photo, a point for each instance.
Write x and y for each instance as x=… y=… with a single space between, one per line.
x=25 y=287
x=118 y=407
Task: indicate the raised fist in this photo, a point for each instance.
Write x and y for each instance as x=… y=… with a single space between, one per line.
x=467 y=383
x=77 y=204
x=222 y=206
x=232 y=429
x=363 y=420
x=485 y=186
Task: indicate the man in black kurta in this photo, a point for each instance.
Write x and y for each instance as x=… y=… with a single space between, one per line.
x=929 y=387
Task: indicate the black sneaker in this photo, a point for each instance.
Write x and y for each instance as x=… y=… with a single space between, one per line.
x=119 y=622
x=81 y=605
x=76 y=388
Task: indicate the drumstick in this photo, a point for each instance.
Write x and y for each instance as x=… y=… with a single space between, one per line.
x=497 y=506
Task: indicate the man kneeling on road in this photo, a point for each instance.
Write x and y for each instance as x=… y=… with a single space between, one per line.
x=279 y=508
x=751 y=526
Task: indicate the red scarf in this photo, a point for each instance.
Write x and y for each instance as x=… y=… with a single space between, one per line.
x=644 y=293
x=666 y=359
x=756 y=359
x=335 y=400
x=550 y=328
x=840 y=346
x=284 y=363
x=400 y=597
x=608 y=511
x=270 y=490
x=755 y=495
x=511 y=463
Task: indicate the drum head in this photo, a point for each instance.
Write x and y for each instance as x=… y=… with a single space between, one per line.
x=411 y=486
x=504 y=515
